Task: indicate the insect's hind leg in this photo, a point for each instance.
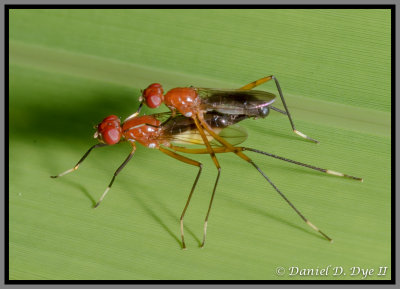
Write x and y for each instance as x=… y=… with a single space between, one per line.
x=227 y=150
x=260 y=81
x=256 y=83
x=238 y=151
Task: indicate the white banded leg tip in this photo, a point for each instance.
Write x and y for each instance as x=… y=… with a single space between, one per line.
x=334 y=173
x=305 y=136
x=300 y=133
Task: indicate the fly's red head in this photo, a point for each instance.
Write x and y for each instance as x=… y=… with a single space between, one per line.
x=153 y=95
x=109 y=131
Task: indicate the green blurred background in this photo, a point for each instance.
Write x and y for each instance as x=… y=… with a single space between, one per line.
x=70 y=68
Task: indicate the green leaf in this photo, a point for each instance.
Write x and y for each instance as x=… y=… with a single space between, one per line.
x=71 y=68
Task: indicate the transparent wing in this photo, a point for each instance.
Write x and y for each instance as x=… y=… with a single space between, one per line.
x=234 y=134
x=183 y=130
x=233 y=101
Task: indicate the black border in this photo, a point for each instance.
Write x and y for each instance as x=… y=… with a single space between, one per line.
x=6 y=147
x=200 y=6
x=7 y=7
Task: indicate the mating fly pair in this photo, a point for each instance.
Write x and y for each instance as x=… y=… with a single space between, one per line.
x=198 y=116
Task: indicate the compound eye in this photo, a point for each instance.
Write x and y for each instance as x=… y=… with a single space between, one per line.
x=153 y=95
x=109 y=130
x=111 y=135
x=264 y=111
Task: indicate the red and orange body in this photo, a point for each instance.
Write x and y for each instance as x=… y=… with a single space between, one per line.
x=183 y=99
x=194 y=101
x=145 y=130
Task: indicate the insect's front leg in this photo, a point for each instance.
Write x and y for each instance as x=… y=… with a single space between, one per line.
x=136 y=113
x=80 y=161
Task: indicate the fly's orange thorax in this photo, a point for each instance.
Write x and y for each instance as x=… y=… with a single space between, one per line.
x=143 y=130
x=183 y=99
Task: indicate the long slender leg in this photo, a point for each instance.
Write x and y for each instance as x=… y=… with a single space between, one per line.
x=214 y=158
x=290 y=204
x=331 y=172
x=226 y=150
x=190 y=162
x=246 y=158
x=80 y=161
x=266 y=79
x=116 y=173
